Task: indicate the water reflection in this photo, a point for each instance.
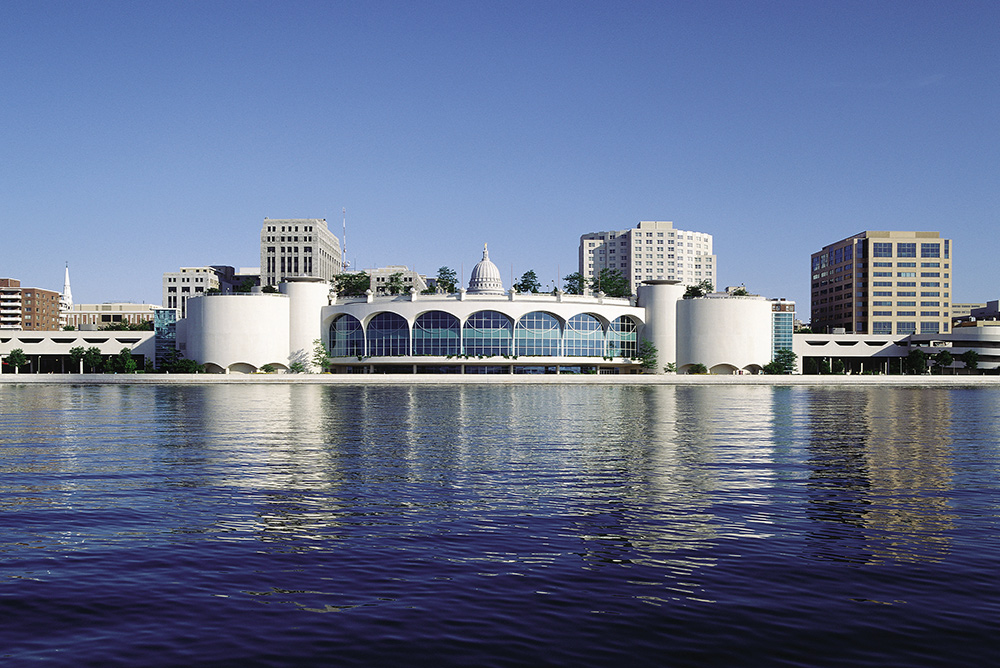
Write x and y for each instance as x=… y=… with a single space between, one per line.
x=881 y=473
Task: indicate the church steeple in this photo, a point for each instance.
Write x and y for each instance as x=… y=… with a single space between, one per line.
x=67 y=293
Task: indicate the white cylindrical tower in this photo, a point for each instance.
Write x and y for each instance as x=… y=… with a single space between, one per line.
x=727 y=334
x=307 y=296
x=238 y=333
x=659 y=298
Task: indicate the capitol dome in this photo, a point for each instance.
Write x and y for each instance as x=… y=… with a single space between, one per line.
x=485 y=279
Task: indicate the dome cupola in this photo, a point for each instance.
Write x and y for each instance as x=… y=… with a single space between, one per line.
x=485 y=279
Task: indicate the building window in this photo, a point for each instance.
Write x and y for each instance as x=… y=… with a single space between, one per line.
x=881 y=249
x=537 y=333
x=437 y=333
x=584 y=336
x=930 y=250
x=388 y=335
x=906 y=328
x=929 y=328
x=622 y=337
x=347 y=339
x=881 y=328
x=487 y=333
x=906 y=250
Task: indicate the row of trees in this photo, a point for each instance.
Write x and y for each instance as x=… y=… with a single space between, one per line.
x=609 y=281
x=92 y=361
x=915 y=363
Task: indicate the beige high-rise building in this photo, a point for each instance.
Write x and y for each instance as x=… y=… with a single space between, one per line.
x=297 y=247
x=884 y=283
x=651 y=250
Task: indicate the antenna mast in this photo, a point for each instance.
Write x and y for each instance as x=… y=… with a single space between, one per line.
x=345 y=263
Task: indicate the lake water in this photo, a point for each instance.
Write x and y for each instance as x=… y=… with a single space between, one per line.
x=278 y=525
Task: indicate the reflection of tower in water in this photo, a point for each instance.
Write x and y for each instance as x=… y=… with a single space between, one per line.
x=880 y=473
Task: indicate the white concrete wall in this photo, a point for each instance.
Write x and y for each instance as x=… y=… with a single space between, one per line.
x=725 y=334
x=239 y=332
x=659 y=299
x=307 y=297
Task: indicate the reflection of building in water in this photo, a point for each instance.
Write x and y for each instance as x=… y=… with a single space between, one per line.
x=880 y=473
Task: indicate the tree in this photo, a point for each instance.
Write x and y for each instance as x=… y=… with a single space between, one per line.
x=321 y=357
x=698 y=368
x=92 y=358
x=739 y=292
x=942 y=360
x=670 y=367
x=916 y=361
x=970 y=358
x=16 y=358
x=700 y=289
x=246 y=285
x=447 y=279
x=612 y=283
x=528 y=283
x=77 y=354
x=269 y=290
x=395 y=284
x=296 y=367
x=124 y=363
x=783 y=363
x=352 y=284
x=647 y=355
x=175 y=362
x=574 y=283
x=838 y=366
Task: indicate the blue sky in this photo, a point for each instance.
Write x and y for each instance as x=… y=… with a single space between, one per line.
x=139 y=137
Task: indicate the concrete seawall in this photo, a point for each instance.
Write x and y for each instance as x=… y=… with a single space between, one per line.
x=456 y=379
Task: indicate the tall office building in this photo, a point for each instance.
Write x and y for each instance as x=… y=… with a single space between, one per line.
x=652 y=250
x=886 y=283
x=297 y=247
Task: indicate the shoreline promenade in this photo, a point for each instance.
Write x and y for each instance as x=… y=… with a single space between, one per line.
x=502 y=379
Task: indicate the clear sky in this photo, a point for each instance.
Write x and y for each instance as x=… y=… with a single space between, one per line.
x=139 y=137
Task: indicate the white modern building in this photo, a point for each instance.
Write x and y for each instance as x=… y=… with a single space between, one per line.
x=482 y=328
x=49 y=351
x=653 y=250
x=292 y=247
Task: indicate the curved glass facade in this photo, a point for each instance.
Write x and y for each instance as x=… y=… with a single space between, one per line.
x=537 y=333
x=487 y=333
x=622 y=338
x=388 y=335
x=437 y=333
x=347 y=339
x=584 y=336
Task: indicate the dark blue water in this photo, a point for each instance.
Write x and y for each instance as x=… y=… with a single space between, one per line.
x=499 y=526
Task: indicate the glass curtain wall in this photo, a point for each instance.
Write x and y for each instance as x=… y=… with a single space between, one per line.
x=622 y=338
x=388 y=336
x=584 y=336
x=347 y=339
x=487 y=333
x=437 y=333
x=537 y=333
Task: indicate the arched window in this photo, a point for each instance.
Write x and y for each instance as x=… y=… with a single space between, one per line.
x=622 y=338
x=388 y=335
x=584 y=336
x=346 y=337
x=487 y=333
x=437 y=333
x=537 y=333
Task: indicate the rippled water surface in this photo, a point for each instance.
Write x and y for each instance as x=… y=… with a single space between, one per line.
x=498 y=526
